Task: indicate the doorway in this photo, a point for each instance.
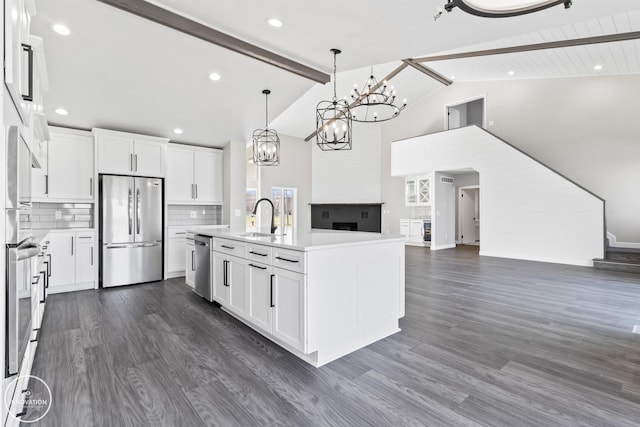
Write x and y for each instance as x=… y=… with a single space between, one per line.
x=469 y=215
x=465 y=113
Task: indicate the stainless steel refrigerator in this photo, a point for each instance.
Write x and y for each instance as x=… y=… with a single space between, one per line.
x=130 y=230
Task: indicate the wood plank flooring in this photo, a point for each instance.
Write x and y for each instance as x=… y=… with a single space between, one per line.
x=485 y=341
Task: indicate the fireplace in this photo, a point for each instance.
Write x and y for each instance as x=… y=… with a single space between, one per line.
x=347 y=216
x=348 y=226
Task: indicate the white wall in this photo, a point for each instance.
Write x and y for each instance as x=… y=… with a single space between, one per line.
x=527 y=211
x=349 y=176
x=235 y=177
x=586 y=128
x=294 y=171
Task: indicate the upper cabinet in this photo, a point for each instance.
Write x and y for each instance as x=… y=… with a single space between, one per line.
x=194 y=175
x=68 y=173
x=123 y=153
x=417 y=191
x=18 y=55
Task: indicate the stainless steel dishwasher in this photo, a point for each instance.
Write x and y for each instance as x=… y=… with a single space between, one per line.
x=203 y=266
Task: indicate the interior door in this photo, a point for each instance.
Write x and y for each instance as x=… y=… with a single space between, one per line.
x=467 y=209
x=117 y=209
x=148 y=209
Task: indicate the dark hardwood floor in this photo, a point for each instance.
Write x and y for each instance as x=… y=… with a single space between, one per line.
x=485 y=341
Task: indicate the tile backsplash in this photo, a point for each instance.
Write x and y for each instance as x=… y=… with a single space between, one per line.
x=204 y=215
x=59 y=215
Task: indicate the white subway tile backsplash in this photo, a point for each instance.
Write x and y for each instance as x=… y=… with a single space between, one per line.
x=205 y=215
x=72 y=215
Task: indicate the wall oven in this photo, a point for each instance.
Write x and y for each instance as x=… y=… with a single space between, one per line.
x=19 y=251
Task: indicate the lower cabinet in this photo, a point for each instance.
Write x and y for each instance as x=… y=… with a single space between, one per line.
x=276 y=302
x=176 y=248
x=190 y=261
x=73 y=261
x=229 y=284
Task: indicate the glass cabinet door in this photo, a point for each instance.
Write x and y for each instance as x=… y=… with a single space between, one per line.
x=410 y=196
x=424 y=193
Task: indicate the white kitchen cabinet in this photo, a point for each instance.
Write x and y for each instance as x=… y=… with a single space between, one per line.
x=63 y=260
x=288 y=308
x=190 y=261
x=260 y=291
x=219 y=275
x=176 y=247
x=194 y=175
x=17 y=21
x=70 y=170
x=405 y=228
x=40 y=176
x=123 y=153
x=417 y=191
x=85 y=258
x=237 y=284
x=73 y=260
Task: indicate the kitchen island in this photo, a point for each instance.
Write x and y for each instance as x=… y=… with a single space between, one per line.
x=318 y=294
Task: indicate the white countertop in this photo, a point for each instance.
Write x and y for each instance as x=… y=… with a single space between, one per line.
x=303 y=241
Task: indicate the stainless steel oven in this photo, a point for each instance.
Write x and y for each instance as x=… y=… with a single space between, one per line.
x=19 y=251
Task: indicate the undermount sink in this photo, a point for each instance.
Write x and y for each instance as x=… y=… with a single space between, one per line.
x=255 y=234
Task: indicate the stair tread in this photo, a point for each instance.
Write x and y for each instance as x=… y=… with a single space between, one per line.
x=617 y=261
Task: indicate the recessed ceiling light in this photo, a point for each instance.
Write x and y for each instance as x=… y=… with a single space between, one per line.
x=453 y=77
x=214 y=76
x=275 y=22
x=61 y=111
x=177 y=131
x=61 y=29
x=597 y=67
x=512 y=73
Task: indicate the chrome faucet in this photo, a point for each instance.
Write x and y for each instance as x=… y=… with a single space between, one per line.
x=273 y=213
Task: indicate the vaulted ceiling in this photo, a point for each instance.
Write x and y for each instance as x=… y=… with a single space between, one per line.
x=120 y=71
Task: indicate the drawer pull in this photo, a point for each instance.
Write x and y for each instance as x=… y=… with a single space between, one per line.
x=227 y=247
x=287 y=260
x=85 y=237
x=180 y=232
x=257 y=253
x=257 y=266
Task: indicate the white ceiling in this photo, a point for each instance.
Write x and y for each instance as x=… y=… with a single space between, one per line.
x=119 y=71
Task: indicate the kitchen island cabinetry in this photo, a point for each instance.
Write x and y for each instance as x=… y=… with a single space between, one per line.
x=320 y=295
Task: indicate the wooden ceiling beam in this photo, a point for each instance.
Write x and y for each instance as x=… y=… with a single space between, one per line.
x=185 y=25
x=429 y=72
x=610 y=38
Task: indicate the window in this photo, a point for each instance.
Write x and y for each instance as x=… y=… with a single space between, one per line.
x=285 y=208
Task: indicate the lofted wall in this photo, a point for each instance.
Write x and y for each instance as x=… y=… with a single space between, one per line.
x=528 y=211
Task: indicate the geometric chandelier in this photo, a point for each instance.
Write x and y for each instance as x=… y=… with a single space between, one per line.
x=333 y=120
x=374 y=103
x=503 y=8
x=266 y=143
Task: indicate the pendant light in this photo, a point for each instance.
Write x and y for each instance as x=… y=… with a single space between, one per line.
x=266 y=143
x=375 y=102
x=503 y=8
x=333 y=120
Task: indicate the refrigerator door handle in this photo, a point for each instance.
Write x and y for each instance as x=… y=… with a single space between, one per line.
x=129 y=211
x=137 y=211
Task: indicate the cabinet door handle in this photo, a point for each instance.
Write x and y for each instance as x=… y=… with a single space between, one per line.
x=135 y=157
x=131 y=164
x=92 y=255
x=287 y=260
x=72 y=245
x=192 y=193
x=27 y=48
x=49 y=268
x=226 y=273
x=257 y=253
x=46 y=184
x=196 y=186
x=91 y=187
x=271 y=304
x=193 y=260
x=257 y=266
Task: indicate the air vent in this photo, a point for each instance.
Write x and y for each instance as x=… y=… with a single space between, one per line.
x=446 y=180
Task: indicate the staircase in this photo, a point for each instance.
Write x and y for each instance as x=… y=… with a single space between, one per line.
x=619 y=259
